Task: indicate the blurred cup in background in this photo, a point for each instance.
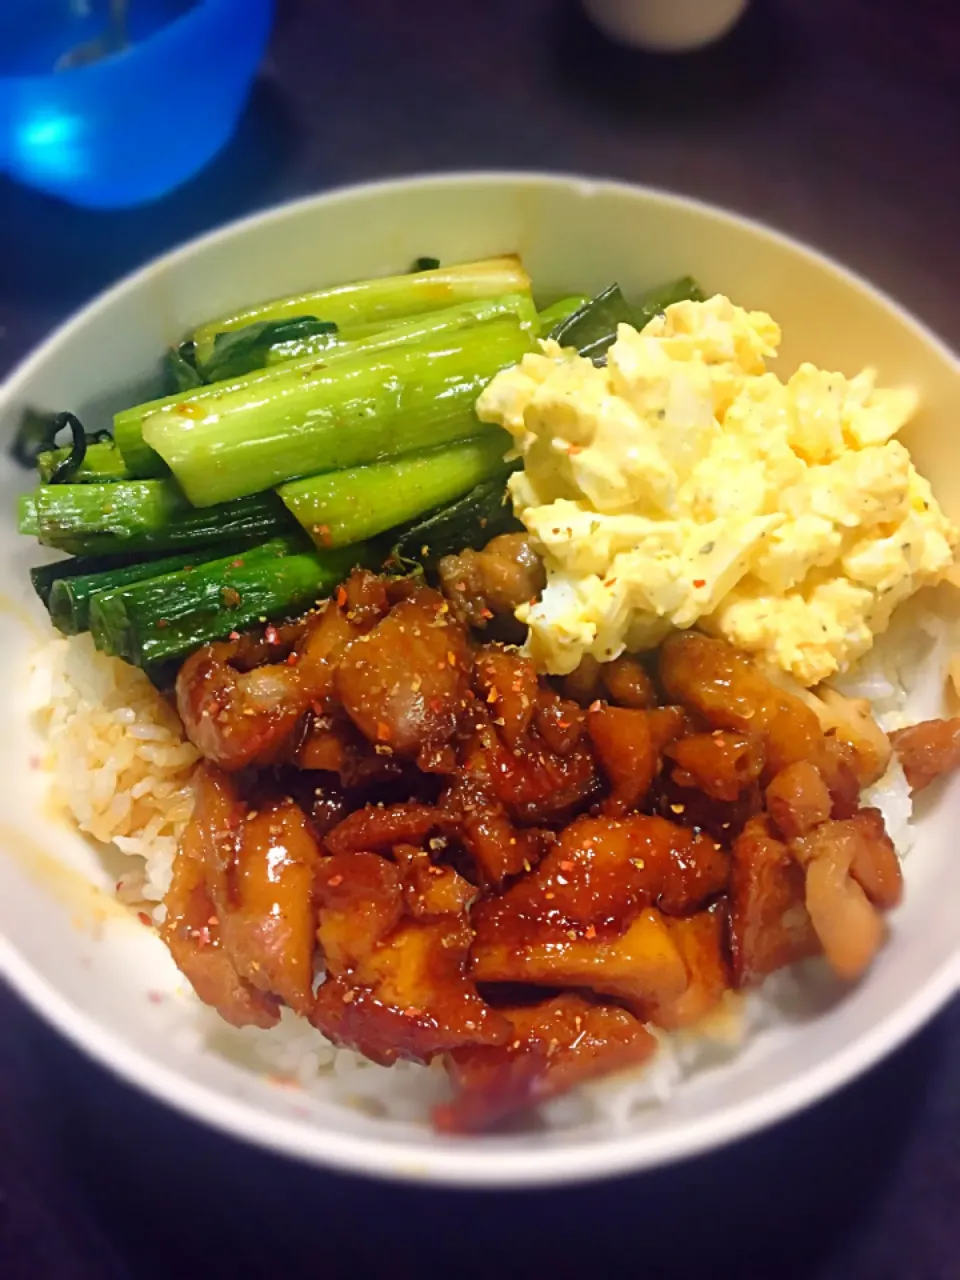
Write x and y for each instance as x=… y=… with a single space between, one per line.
x=665 y=26
x=132 y=126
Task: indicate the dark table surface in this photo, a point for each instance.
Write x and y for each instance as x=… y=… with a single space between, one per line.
x=837 y=120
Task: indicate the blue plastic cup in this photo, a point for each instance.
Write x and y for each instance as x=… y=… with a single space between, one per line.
x=134 y=126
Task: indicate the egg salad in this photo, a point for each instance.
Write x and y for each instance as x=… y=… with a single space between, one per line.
x=683 y=484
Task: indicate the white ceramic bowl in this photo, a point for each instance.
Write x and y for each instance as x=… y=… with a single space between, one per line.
x=83 y=964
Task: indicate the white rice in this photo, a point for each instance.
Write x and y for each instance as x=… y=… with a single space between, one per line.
x=121 y=766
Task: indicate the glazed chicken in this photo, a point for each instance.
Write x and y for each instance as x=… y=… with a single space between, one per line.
x=411 y=839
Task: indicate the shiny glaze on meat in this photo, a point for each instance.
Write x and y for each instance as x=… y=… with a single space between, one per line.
x=490 y=584
x=928 y=750
x=640 y=965
x=554 y=1046
x=729 y=692
x=404 y=684
x=700 y=941
x=260 y=865
x=397 y=982
x=769 y=923
x=600 y=873
x=407 y=837
x=242 y=700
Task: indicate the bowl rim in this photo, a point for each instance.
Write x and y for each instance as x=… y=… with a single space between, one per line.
x=460 y=1164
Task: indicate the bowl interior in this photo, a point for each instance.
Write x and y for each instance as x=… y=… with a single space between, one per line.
x=105 y=981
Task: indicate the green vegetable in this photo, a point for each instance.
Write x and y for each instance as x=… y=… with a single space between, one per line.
x=655 y=301
x=71 y=593
x=358 y=411
x=242 y=350
x=37 y=436
x=471 y=521
x=142 y=461
x=181 y=366
x=102 y=463
x=168 y=617
x=143 y=515
x=124 y=509
x=593 y=328
x=551 y=316
x=465 y=315
x=379 y=300
x=44 y=576
x=27 y=515
x=342 y=507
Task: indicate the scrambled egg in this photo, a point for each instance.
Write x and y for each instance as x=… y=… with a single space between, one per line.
x=684 y=484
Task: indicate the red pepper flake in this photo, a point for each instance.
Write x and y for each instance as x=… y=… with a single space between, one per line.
x=575 y=449
x=494 y=694
x=341 y=596
x=234 y=635
x=334 y=881
x=236 y=564
x=292 y=659
x=590 y=931
x=486 y=614
x=383 y=731
x=270 y=635
x=566 y=865
x=349 y=997
x=145 y=919
x=323 y=533
x=699 y=582
x=411 y=1012
x=161 y=623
